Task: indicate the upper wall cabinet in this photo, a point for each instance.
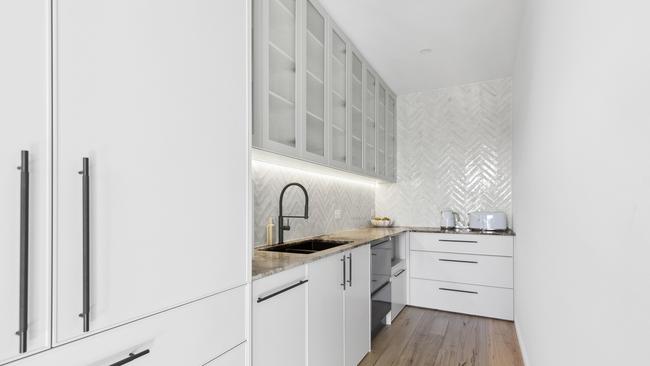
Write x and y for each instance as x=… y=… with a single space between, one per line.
x=391 y=138
x=315 y=97
x=276 y=94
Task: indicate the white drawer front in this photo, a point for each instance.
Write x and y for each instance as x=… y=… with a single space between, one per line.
x=192 y=334
x=491 y=302
x=462 y=243
x=464 y=268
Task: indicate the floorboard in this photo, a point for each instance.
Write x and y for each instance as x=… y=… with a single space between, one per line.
x=422 y=337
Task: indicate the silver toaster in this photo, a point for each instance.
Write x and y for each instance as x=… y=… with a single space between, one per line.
x=488 y=220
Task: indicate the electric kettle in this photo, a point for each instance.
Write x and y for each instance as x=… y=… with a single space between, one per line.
x=448 y=219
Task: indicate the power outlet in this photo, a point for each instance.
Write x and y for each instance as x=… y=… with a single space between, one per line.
x=337 y=214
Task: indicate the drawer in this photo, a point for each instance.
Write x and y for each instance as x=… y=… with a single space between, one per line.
x=463 y=243
x=398 y=291
x=464 y=268
x=192 y=334
x=234 y=357
x=493 y=302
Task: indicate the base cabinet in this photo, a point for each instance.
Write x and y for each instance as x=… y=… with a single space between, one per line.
x=193 y=334
x=357 y=306
x=471 y=274
x=339 y=308
x=280 y=319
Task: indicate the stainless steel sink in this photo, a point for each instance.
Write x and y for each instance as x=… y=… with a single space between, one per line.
x=306 y=246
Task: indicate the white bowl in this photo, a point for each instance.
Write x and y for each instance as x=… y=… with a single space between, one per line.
x=381 y=223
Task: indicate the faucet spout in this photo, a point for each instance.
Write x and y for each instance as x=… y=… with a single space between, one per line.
x=281 y=226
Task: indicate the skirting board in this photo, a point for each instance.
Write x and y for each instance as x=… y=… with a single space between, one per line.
x=522 y=346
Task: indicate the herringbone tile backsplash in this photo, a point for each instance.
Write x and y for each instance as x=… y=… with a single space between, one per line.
x=326 y=194
x=454 y=150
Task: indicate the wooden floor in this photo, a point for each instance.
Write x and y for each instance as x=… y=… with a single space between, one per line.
x=430 y=337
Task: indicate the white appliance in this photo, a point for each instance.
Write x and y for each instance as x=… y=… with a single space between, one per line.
x=488 y=220
x=448 y=219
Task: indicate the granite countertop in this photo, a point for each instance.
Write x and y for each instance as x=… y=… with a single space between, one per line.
x=267 y=263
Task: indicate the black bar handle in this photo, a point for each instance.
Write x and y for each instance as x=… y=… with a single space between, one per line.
x=132 y=356
x=264 y=298
x=399 y=273
x=344 y=275
x=24 y=251
x=85 y=174
x=454 y=290
x=350 y=275
x=458 y=241
x=457 y=261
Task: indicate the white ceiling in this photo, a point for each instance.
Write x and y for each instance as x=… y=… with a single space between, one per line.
x=470 y=40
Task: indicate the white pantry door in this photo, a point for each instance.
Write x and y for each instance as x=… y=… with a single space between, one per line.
x=155 y=94
x=25 y=124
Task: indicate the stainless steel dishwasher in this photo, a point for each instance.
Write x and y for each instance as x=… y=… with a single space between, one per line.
x=380 y=288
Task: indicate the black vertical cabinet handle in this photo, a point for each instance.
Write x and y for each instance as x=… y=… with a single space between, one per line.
x=85 y=314
x=132 y=356
x=24 y=251
x=350 y=280
x=344 y=276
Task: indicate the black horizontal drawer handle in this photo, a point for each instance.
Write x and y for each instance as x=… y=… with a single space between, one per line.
x=457 y=261
x=264 y=298
x=458 y=241
x=132 y=356
x=453 y=290
x=399 y=273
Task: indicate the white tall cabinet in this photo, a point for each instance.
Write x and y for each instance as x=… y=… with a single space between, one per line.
x=315 y=97
x=24 y=125
x=155 y=95
x=148 y=102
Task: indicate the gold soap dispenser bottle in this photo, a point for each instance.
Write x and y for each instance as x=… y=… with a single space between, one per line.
x=269 y=231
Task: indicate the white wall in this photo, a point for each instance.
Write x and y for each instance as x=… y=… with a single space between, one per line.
x=454 y=150
x=581 y=182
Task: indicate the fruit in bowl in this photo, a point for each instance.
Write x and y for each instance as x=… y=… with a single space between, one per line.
x=381 y=221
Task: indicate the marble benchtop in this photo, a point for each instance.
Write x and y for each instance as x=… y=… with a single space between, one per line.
x=267 y=263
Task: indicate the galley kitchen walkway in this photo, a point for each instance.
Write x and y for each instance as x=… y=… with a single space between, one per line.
x=429 y=337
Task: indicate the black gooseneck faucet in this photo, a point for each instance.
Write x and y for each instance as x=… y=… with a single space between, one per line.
x=281 y=226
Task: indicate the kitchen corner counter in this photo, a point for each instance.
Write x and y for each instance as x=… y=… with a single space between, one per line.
x=267 y=263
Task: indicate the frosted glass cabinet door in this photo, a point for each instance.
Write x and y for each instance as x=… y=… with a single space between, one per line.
x=338 y=100
x=356 y=112
x=381 y=131
x=24 y=125
x=165 y=131
x=315 y=127
x=280 y=67
x=370 y=127
x=391 y=133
